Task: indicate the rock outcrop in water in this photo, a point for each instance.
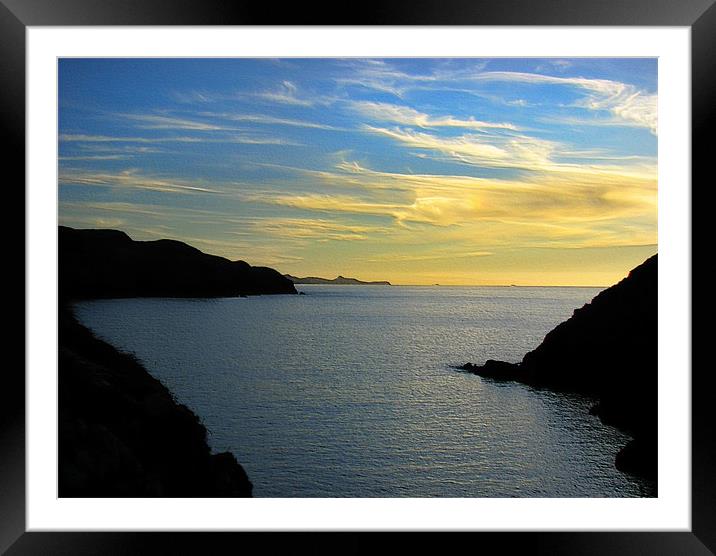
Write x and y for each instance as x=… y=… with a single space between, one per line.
x=108 y=263
x=607 y=349
x=121 y=433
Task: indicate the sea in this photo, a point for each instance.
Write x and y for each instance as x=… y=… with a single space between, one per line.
x=355 y=391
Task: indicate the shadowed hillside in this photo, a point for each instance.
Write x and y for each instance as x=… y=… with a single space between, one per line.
x=121 y=433
x=108 y=263
x=607 y=349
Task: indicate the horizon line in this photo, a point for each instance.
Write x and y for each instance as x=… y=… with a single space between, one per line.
x=466 y=285
x=347 y=274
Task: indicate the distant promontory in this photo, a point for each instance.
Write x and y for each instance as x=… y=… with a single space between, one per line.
x=340 y=280
x=108 y=263
x=608 y=350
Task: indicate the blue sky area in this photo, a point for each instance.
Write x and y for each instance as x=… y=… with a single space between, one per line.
x=455 y=171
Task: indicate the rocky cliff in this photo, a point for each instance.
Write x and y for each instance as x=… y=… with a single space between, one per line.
x=121 y=433
x=607 y=349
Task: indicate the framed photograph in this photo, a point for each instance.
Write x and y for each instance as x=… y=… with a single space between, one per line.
x=390 y=274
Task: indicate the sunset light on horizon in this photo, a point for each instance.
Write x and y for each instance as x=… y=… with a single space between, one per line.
x=416 y=171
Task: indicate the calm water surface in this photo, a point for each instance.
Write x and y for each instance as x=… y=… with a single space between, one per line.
x=350 y=390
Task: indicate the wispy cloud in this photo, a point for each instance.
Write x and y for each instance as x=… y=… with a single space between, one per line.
x=245 y=138
x=267 y=120
x=110 y=148
x=590 y=209
x=379 y=75
x=133 y=179
x=467 y=147
x=115 y=207
x=441 y=255
x=315 y=229
x=85 y=138
x=405 y=115
x=622 y=100
x=286 y=93
x=151 y=121
x=554 y=65
x=96 y=157
x=191 y=97
x=514 y=151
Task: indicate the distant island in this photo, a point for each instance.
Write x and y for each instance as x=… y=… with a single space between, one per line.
x=340 y=280
x=608 y=350
x=109 y=264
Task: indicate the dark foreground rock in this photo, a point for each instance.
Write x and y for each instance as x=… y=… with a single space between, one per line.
x=638 y=457
x=607 y=349
x=108 y=263
x=121 y=433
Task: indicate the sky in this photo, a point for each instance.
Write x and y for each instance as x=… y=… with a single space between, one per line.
x=417 y=171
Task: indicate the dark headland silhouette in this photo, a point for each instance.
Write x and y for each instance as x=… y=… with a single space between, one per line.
x=108 y=263
x=606 y=349
x=340 y=280
x=121 y=433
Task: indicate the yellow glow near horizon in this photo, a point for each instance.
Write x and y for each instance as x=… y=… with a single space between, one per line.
x=465 y=171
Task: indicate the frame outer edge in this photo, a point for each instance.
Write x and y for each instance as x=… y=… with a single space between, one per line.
x=12 y=94
x=371 y=12
x=12 y=389
x=703 y=446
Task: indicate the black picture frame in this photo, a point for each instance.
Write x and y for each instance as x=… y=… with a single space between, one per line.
x=16 y=15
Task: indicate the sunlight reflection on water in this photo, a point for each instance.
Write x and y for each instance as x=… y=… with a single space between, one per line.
x=349 y=390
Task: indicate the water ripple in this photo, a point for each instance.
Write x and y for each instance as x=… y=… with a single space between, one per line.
x=349 y=391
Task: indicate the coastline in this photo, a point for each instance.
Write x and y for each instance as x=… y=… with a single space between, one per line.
x=606 y=349
x=122 y=433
